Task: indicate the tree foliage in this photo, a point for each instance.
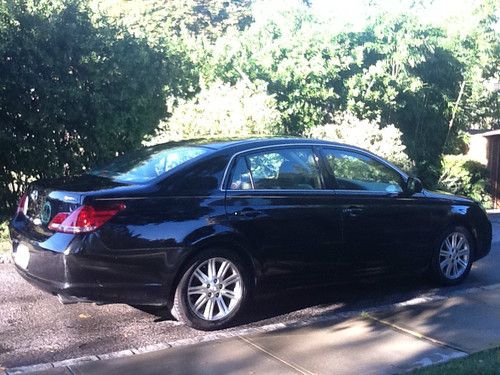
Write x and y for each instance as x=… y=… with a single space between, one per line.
x=384 y=141
x=460 y=175
x=83 y=80
x=223 y=110
x=72 y=93
x=158 y=19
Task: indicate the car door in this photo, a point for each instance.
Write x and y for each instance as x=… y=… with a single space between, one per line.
x=275 y=199
x=383 y=227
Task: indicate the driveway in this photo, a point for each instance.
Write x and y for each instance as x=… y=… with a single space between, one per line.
x=35 y=328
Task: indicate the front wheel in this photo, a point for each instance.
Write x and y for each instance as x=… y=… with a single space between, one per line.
x=453 y=255
x=212 y=291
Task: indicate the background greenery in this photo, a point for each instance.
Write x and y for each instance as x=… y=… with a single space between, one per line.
x=84 y=80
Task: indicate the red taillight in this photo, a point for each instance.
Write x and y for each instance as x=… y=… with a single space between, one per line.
x=84 y=219
x=22 y=207
x=58 y=220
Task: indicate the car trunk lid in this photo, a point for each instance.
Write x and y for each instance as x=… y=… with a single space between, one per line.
x=47 y=198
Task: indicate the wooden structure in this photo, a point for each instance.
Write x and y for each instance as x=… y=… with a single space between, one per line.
x=493 y=163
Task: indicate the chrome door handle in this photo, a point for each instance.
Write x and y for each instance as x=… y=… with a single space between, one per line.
x=248 y=212
x=352 y=211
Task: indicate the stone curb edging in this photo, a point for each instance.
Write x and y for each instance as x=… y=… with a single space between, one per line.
x=428 y=297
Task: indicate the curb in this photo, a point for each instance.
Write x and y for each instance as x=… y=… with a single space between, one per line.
x=431 y=296
x=5 y=258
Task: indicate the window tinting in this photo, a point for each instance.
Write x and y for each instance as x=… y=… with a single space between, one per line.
x=355 y=171
x=278 y=169
x=146 y=164
x=240 y=178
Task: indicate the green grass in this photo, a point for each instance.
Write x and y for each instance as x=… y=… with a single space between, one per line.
x=486 y=362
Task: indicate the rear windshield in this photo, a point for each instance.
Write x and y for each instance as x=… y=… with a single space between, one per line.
x=142 y=166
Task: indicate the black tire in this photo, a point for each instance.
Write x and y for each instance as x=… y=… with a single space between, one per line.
x=183 y=309
x=436 y=270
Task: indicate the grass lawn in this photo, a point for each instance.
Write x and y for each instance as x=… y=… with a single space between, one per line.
x=486 y=362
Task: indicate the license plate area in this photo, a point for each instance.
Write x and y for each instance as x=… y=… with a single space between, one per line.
x=22 y=255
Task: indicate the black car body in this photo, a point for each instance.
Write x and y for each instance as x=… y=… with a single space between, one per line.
x=306 y=222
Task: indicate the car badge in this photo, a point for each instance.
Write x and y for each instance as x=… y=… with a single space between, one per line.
x=46 y=213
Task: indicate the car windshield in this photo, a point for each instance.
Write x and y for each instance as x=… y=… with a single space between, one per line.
x=142 y=166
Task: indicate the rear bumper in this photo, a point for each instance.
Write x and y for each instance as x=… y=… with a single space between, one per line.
x=76 y=277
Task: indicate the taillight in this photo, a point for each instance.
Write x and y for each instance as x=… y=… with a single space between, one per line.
x=22 y=207
x=84 y=219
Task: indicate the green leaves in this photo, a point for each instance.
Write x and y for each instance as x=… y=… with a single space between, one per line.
x=72 y=93
x=463 y=176
x=84 y=80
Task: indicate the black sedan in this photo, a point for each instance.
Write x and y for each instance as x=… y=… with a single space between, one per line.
x=197 y=227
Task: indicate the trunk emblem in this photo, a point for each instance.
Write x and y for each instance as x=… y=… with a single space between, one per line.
x=46 y=213
x=34 y=195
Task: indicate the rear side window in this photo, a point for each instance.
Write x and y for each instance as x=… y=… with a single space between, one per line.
x=145 y=165
x=284 y=169
x=355 y=171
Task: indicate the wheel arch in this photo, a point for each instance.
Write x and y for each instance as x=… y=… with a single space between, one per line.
x=463 y=221
x=227 y=241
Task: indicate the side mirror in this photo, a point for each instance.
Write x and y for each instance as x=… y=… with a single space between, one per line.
x=413 y=185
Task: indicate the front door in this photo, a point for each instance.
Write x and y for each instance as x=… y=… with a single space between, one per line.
x=384 y=228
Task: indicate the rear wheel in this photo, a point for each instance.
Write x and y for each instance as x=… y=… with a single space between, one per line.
x=453 y=255
x=212 y=292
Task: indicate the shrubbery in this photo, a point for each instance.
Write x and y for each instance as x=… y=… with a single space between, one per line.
x=460 y=175
x=73 y=91
x=383 y=141
x=241 y=110
x=78 y=86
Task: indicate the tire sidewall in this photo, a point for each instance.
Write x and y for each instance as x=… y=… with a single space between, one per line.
x=182 y=307
x=435 y=266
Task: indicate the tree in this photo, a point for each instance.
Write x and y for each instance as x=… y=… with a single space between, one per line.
x=223 y=110
x=408 y=79
x=383 y=141
x=159 y=19
x=289 y=49
x=73 y=92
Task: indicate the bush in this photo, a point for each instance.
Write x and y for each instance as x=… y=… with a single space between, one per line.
x=347 y=128
x=74 y=91
x=463 y=176
x=244 y=109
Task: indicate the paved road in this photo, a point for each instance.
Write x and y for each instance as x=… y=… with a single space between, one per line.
x=35 y=328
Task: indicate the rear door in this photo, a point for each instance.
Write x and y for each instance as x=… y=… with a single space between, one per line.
x=384 y=228
x=275 y=197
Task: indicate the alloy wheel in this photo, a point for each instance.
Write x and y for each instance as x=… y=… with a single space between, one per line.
x=214 y=289
x=454 y=255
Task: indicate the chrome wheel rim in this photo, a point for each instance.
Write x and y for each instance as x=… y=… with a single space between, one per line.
x=454 y=255
x=214 y=289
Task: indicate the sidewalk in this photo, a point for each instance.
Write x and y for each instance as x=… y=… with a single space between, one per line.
x=381 y=343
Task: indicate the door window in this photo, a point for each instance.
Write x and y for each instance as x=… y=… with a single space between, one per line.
x=285 y=169
x=354 y=171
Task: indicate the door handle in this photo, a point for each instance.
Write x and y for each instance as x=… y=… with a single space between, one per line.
x=248 y=212
x=352 y=211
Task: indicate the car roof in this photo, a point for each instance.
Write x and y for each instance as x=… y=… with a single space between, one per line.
x=236 y=145
x=244 y=143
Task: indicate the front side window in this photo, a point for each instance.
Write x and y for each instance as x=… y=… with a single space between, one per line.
x=354 y=171
x=285 y=169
